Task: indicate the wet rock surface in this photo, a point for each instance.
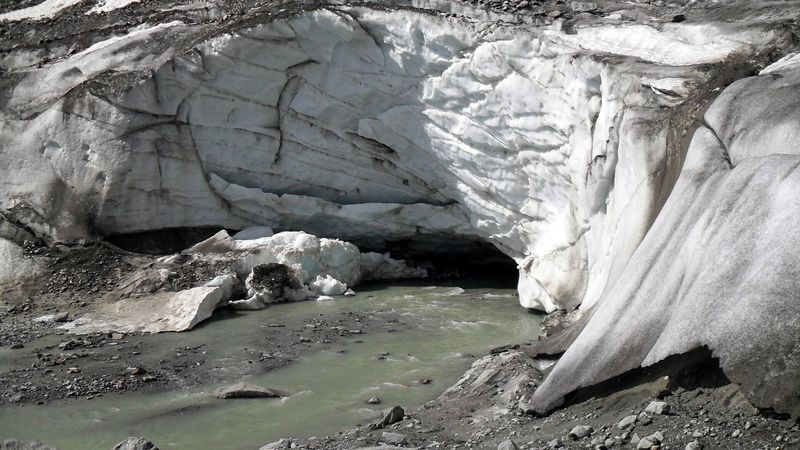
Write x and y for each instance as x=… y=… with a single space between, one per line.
x=247 y=390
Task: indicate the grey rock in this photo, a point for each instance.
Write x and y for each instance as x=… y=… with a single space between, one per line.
x=658 y=408
x=645 y=443
x=394 y=415
x=583 y=6
x=694 y=445
x=247 y=390
x=627 y=421
x=580 y=431
x=393 y=438
x=508 y=444
x=555 y=443
x=658 y=437
x=374 y=401
x=135 y=443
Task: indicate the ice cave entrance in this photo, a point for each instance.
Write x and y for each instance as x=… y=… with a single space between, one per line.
x=460 y=261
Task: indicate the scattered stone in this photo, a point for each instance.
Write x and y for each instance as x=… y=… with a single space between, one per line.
x=246 y=390
x=508 y=444
x=583 y=6
x=645 y=443
x=135 y=443
x=135 y=371
x=748 y=425
x=736 y=433
x=658 y=408
x=627 y=421
x=644 y=419
x=580 y=432
x=74 y=370
x=305 y=339
x=694 y=445
x=70 y=344
x=374 y=401
x=650 y=441
x=393 y=438
x=394 y=415
x=425 y=381
x=503 y=348
x=555 y=443
x=16 y=345
x=276 y=325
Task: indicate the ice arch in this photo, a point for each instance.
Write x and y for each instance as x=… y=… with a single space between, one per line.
x=374 y=125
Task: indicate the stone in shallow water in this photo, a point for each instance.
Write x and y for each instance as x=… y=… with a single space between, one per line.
x=247 y=390
x=135 y=443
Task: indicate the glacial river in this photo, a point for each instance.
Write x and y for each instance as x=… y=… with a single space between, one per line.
x=329 y=388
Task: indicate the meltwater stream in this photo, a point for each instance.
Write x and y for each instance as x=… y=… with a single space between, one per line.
x=328 y=388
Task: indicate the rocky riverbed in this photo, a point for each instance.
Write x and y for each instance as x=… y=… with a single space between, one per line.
x=684 y=403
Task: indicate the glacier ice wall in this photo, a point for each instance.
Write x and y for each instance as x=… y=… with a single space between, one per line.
x=719 y=267
x=559 y=146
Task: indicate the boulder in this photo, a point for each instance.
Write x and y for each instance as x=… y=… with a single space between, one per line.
x=580 y=431
x=658 y=408
x=508 y=444
x=394 y=415
x=156 y=313
x=135 y=443
x=626 y=422
x=246 y=390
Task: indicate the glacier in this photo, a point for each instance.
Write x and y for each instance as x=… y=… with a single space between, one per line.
x=607 y=156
